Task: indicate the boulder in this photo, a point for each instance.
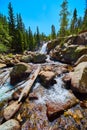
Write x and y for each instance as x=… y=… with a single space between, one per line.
x=39 y=58
x=68 y=53
x=26 y=59
x=52 y=44
x=10 y=125
x=47 y=77
x=20 y=72
x=54 y=109
x=2 y=65
x=79 y=78
x=83 y=58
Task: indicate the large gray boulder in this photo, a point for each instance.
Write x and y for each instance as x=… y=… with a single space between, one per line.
x=39 y=58
x=79 y=78
x=68 y=53
x=20 y=72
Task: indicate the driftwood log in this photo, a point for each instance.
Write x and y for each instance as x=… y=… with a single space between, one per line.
x=30 y=83
x=10 y=110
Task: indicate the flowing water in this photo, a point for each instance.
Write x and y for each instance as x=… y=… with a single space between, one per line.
x=44 y=48
x=56 y=92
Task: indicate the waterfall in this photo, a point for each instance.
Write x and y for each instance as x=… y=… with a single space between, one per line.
x=44 y=48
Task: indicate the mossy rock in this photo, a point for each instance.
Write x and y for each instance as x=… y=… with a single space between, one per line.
x=19 y=72
x=39 y=58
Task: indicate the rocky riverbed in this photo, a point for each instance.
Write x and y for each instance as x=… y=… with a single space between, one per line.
x=57 y=99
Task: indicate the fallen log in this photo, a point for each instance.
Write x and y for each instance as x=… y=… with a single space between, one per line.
x=30 y=83
x=10 y=110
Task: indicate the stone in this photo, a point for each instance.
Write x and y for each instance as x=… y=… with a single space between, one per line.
x=37 y=119
x=79 y=78
x=71 y=49
x=83 y=104
x=47 y=77
x=2 y=65
x=67 y=80
x=52 y=44
x=20 y=72
x=54 y=109
x=26 y=58
x=10 y=125
x=83 y=58
x=39 y=58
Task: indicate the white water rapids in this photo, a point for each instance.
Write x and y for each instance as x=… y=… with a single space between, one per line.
x=57 y=92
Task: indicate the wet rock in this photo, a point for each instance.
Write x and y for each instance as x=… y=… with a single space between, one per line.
x=67 y=80
x=77 y=115
x=71 y=128
x=39 y=58
x=20 y=72
x=54 y=109
x=79 y=78
x=60 y=70
x=10 y=125
x=37 y=119
x=47 y=77
x=26 y=59
x=83 y=103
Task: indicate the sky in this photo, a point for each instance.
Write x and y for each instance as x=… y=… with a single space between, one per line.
x=41 y=13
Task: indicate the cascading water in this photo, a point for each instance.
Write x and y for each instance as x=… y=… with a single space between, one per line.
x=6 y=90
x=56 y=93
x=44 y=48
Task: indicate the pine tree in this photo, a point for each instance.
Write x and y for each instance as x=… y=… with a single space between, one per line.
x=80 y=23
x=53 y=32
x=37 y=37
x=11 y=22
x=74 y=23
x=30 y=38
x=20 y=24
x=64 y=19
x=84 y=26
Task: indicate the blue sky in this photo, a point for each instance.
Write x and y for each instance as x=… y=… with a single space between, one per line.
x=42 y=13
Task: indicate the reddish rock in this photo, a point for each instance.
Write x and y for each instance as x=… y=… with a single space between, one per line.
x=54 y=109
x=83 y=104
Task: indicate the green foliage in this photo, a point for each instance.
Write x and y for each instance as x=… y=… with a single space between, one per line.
x=74 y=23
x=30 y=40
x=53 y=32
x=3 y=48
x=84 y=26
x=64 y=19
